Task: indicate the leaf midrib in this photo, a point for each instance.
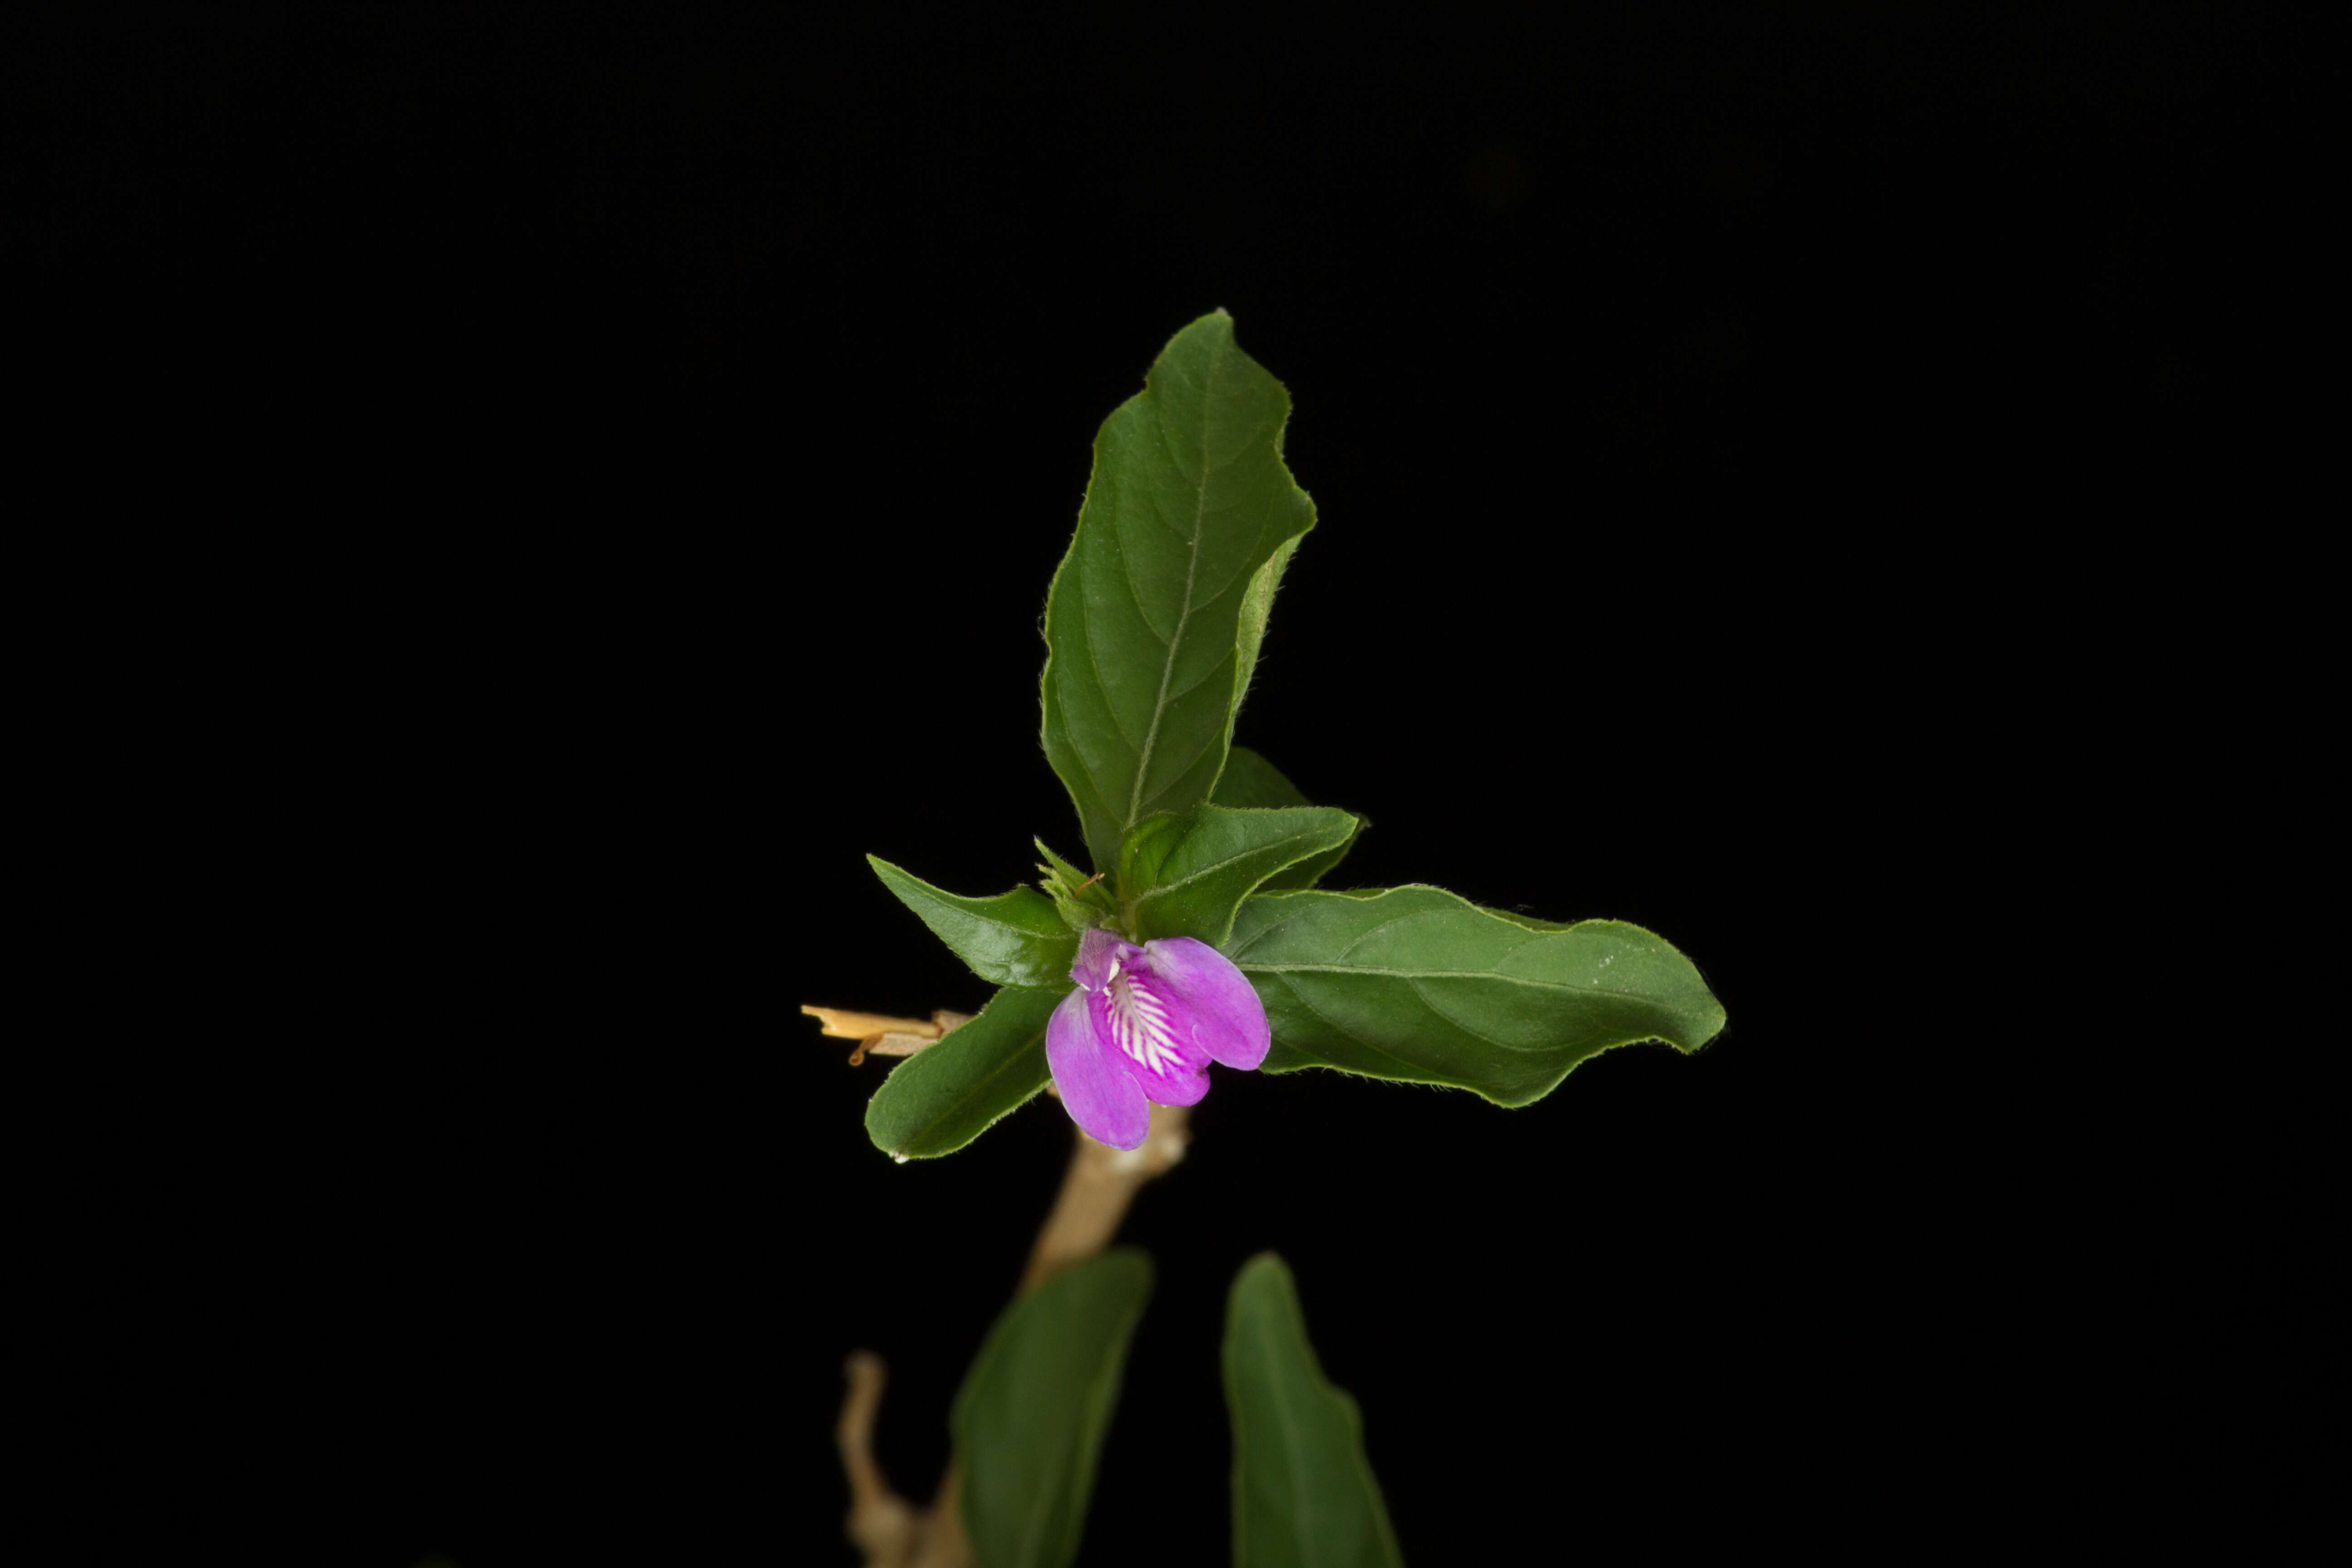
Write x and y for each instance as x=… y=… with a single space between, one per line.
x=1003 y=924
x=1247 y=967
x=1184 y=614
x=940 y=899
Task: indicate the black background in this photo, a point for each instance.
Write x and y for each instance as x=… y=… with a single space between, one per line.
x=561 y=491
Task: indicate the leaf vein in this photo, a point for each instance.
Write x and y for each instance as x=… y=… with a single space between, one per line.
x=1176 y=639
x=1568 y=987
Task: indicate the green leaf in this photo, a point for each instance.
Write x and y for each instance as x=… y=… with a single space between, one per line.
x=1309 y=872
x=1418 y=985
x=1192 y=872
x=1014 y=938
x=1030 y=1420
x=1155 y=616
x=1257 y=606
x=1249 y=780
x=1304 y=1496
x=947 y=1094
x=1146 y=845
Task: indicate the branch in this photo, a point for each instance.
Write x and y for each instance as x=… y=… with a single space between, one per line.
x=1096 y=1190
x=1098 y=1185
x=879 y=1033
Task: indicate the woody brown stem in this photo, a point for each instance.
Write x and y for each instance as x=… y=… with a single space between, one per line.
x=1097 y=1188
x=1098 y=1185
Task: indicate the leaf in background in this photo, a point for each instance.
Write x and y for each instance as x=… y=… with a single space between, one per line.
x=1304 y=1496
x=945 y=1095
x=1186 y=511
x=1014 y=938
x=1419 y=984
x=1249 y=780
x=1194 y=875
x=1033 y=1411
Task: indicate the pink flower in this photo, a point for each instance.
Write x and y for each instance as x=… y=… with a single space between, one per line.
x=1144 y=1024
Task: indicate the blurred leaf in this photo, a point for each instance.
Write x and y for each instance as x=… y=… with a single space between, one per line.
x=1014 y=938
x=1030 y=1420
x=1304 y=1496
x=1155 y=616
x=1416 y=984
x=946 y=1095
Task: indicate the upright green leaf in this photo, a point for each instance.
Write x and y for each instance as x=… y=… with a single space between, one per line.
x=1304 y=1496
x=1416 y=984
x=1195 y=870
x=1014 y=938
x=1155 y=616
x=1249 y=780
x=1030 y=1420
x=947 y=1094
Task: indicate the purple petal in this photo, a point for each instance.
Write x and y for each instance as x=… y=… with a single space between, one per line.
x=1095 y=950
x=1144 y=1031
x=1228 y=1021
x=1101 y=1098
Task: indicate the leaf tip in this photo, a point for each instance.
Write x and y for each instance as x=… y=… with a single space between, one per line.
x=1266 y=1265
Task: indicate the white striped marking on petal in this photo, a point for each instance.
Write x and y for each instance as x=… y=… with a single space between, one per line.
x=1140 y=1026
